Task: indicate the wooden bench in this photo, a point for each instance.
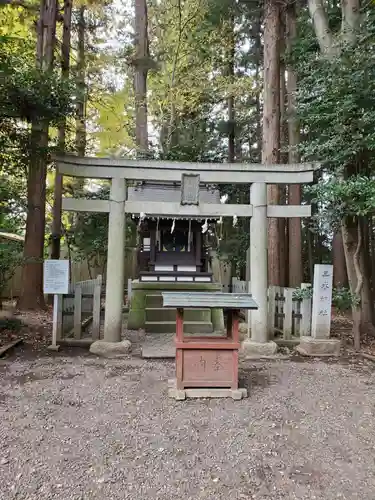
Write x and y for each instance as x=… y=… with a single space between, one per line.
x=207 y=365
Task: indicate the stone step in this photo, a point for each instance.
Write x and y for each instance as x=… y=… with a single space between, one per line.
x=170 y=327
x=169 y=314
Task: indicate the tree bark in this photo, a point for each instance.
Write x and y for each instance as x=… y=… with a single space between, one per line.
x=58 y=185
x=352 y=238
x=81 y=86
x=32 y=296
x=357 y=310
x=350 y=20
x=141 y=65
x=294 y=190
x=340 y=278
x=366 y=295
x=283 y=242
x=355 y=263
x=231 y=111
x=258 y=67
x=372 y=262
x=271 y=125
x=323 y=33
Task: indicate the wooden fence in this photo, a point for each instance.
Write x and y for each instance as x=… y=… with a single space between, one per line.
x=79 y=309
x=289 y=315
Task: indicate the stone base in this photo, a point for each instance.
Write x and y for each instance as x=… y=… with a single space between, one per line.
x=310 y=346
x=111 y=349
x=53 y=347
x=181 y=394
x=252 y=349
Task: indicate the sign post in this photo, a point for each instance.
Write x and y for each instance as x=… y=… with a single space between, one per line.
x=319 y=343
x=55 y=282
x=322 y=301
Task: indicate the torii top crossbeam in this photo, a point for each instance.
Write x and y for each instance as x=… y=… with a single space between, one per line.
x=210 y=173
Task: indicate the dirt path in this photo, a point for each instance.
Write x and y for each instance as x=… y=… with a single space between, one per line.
x=79 y=427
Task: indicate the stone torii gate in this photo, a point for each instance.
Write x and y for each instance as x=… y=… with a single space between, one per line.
x=119 y=171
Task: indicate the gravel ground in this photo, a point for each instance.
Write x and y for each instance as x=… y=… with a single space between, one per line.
x=80 y=427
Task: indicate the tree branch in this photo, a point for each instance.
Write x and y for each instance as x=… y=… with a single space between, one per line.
x=350 y=20
x=323 y=33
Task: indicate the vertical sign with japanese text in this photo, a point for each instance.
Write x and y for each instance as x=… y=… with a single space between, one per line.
x=322 y=301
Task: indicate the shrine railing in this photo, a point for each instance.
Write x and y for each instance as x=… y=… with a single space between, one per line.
x=289 y=313
x=79 y=308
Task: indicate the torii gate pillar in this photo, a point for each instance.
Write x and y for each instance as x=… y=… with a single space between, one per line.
x=259 y=343
x=115 y=262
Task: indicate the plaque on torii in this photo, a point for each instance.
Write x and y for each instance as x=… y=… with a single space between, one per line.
x=190 y=189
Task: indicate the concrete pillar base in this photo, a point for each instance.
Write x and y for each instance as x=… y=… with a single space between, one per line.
x=253 y=349
x=111 y=349
x=310 y=346
x=53 y=347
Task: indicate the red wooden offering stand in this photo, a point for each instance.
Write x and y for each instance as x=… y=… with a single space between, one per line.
x=207 y=363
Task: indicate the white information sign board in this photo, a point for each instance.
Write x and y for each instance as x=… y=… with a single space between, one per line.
x=322 y=301
x=56 y=277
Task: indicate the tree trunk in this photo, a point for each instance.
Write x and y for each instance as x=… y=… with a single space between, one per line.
x=141 y=65
x=58 y=186
x=355 y=264
x=340 y=278
x=310 y=254
x=352 y=239
x=32 y=274
x=283 y=243
x=81 y=86
x=366 y=295
x=257 y=78
x=372 y=245
x=271 y=125
x=294 y=190
x=231 y=135
x=230 y=73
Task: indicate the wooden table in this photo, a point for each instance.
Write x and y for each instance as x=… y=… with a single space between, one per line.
x=207 y=365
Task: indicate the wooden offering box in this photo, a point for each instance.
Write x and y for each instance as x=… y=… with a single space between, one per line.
x=207 y=365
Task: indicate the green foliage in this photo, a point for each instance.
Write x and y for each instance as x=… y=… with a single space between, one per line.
x=342 y=298
x=28 y=93
x=336 y=100
x=234 y=246
x=303 y=293
x=88 y=234
x=337 y=199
